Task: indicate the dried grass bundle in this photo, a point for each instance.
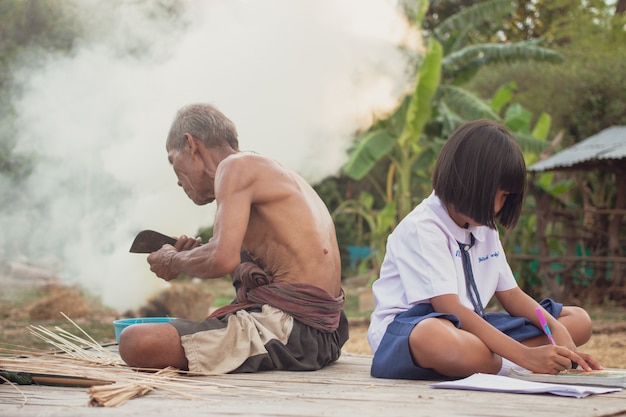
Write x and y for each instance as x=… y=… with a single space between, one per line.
x=111 y=382
x=56 y=365
x=79 y=348
x=117 y=394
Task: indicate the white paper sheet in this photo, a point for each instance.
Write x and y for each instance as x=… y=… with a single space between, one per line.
x=497 y=383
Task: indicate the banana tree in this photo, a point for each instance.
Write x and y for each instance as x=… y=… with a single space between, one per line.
x=438 y=98
x=408 y=140
x=403 y=150
x=465 y=52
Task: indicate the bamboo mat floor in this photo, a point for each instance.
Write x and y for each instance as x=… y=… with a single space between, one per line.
x=342 y=389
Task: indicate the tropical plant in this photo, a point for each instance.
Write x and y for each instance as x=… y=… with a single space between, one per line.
x=520 y=240
x=379 y=223
x=408 y=140
x=463 y=57
x=438 y=97
x=586 y=95
x=402 y=147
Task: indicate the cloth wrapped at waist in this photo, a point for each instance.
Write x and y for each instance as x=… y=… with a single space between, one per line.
x=307 y=303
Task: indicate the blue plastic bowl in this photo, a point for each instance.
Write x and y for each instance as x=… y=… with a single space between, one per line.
x=123 y=323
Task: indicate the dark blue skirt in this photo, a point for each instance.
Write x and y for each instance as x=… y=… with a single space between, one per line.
x=393 y=358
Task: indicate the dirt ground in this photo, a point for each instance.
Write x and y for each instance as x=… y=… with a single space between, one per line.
x=38 y=303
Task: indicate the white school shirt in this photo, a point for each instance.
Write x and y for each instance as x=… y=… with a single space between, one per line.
x=423 y=260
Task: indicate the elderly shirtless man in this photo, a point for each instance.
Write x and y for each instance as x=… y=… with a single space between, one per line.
x=273 y=235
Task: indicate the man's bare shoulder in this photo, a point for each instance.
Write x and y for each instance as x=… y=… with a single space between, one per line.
x=269 y=179
x=243 y=161
x=256 y=168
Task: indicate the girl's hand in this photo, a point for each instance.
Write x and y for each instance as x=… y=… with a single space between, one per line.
x=591 y=361
x=550 y=359
x=562 y=337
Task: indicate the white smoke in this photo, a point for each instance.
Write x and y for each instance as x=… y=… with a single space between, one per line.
x=298 y=78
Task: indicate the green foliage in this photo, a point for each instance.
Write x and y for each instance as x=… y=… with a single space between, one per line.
x=414 y=10
x=409 y=140
x=464 y=25
x=476 y=56
x=45 y=24
x=465 y=104
x=532 y=139
x=465 y=55
x=547 y=183
x=403 y=151
x=586 y=94
x=205 y=233
x=370 y=148
x=548 y=20
x=519 y=119
x=28 y=28
x=379 y=222
x=419 y=111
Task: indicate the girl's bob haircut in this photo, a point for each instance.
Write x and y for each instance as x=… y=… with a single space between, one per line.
x=480 y=158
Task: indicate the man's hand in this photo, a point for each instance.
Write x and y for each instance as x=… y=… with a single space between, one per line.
x=187 y=243
x=161 y=260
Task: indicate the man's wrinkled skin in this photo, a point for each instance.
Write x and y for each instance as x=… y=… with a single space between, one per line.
x=264 y=208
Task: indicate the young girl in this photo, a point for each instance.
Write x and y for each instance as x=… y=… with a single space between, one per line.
x=444 y=262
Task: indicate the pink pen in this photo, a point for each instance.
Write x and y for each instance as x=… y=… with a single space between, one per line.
x=544 y=325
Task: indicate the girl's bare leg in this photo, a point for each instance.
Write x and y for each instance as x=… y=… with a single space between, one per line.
x=578 y=324
x=436 y=343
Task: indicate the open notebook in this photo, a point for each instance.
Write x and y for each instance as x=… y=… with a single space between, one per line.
x=498 y=383
x=604 y=377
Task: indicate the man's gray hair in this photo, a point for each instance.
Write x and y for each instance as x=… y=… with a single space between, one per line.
x=205 y=123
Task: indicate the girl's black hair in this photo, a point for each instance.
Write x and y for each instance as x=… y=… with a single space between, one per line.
x=480 y=158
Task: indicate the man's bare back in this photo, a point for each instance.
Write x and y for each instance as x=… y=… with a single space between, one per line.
x=290 y=232
x=273 y=214
x=269 y=211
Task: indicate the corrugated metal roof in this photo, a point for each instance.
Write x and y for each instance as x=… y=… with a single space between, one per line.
x=610 y=143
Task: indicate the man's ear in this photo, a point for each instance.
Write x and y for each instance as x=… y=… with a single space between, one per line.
x=191 y=143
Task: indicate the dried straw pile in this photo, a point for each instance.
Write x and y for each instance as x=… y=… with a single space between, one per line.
x=112 y=382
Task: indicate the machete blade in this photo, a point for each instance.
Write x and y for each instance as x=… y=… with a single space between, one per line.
x=148 y=241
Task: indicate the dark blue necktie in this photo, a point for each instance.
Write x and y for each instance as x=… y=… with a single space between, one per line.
x=472 y=291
